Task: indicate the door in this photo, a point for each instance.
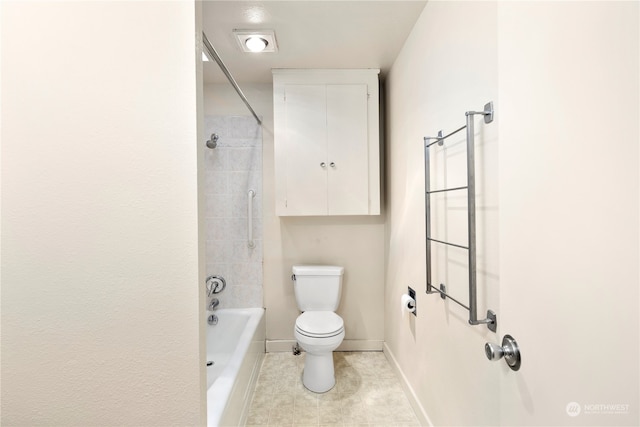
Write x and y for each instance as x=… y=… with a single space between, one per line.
x=327 y=150
x=306 y=149
x=347 y=150
x=569 y=212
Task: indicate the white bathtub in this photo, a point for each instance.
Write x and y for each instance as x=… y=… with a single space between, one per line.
x=236 y=345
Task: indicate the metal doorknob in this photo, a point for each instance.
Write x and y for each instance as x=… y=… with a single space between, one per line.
x=509 y=350
x=493 y=351
x=323 y=164
x=332 y=164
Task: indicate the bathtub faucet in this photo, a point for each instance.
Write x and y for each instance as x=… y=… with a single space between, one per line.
x=215 y=285
x=214 y=304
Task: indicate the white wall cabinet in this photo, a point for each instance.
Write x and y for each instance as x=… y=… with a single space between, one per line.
x=327 y=149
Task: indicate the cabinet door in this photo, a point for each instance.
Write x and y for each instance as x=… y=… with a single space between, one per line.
x=347 y=150
x=306 y=149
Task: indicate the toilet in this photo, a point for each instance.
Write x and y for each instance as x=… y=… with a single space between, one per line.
x=319 y=330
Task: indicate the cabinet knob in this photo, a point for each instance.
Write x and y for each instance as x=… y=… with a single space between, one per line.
x=323 y=164
x=332 y=164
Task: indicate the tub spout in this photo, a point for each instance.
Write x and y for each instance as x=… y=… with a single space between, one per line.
x=212 y=320
x=214 y=304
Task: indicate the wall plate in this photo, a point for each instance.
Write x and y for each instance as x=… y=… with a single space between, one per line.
x=412 y=294
x=488 y=112
x=493 y=326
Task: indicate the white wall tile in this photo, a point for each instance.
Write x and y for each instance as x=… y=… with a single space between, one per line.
x=231 y=169
x=215 y=183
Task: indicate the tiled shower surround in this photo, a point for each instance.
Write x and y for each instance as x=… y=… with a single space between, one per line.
x=231 y=170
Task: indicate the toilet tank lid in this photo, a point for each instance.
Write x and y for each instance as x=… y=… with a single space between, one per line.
x=318 y=270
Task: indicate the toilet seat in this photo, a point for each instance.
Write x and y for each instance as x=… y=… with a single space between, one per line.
x=319 y=324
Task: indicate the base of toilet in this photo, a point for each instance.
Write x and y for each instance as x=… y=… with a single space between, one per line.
x=318 y=375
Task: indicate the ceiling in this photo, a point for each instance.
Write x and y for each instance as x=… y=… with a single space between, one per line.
x=310 y=34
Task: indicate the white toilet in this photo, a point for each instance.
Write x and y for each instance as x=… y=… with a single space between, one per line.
x=318 y=329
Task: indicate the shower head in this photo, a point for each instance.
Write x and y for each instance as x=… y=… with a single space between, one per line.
x=213 y=142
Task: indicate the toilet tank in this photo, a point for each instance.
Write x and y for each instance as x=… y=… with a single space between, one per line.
x=317 y=287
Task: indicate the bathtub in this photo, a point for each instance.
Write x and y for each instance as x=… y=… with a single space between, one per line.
x=236 y=345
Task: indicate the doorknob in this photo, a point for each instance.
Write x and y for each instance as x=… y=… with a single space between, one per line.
x=323 y=164
x=509 y=350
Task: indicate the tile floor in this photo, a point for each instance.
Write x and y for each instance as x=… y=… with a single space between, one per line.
x=367 y=393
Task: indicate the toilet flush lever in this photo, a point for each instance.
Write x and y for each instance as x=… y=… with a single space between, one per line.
x=509 y=350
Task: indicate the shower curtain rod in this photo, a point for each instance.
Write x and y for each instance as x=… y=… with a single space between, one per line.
x=213 y=54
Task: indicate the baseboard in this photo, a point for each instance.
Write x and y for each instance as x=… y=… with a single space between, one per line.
x=360 y=345
x=275 y=346
x=279 y=346
x=423 y=418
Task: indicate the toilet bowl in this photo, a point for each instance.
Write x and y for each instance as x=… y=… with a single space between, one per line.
x=319 y=333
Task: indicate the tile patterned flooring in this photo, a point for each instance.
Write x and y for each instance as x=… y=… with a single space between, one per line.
x=367 y=393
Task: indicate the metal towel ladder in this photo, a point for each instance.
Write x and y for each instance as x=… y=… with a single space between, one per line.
x=491 y=319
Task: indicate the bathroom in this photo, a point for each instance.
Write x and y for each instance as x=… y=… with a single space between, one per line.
x=104 y=214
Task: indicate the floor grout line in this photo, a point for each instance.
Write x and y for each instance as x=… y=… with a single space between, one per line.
x=367 y=393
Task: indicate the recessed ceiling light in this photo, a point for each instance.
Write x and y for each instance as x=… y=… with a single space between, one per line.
x=256 y=44
x=256 y=40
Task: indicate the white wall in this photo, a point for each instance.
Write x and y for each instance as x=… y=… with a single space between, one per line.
x=564 y=78
x=355 y=243
x=441 y=73
x=101 y=288
x=288 y=241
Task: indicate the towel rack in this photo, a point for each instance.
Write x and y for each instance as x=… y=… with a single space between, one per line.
x=491 y=319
